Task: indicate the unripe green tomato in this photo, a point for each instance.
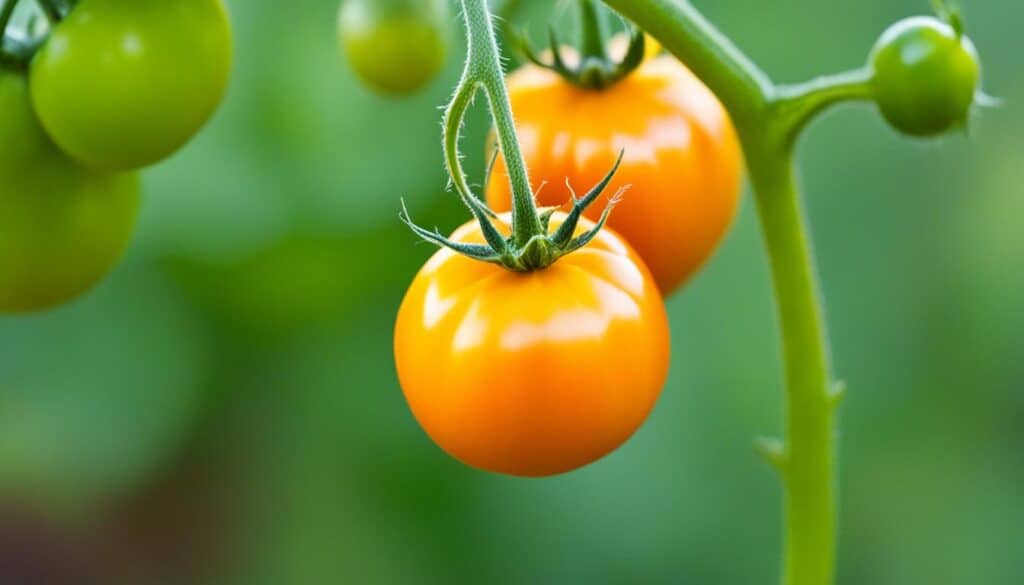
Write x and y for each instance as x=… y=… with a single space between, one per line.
x=925 y=76
x=123 y=84
x=62 y=226
x=395 y=46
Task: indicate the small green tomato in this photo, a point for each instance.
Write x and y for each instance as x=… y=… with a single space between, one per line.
x=395 y=46
x=123 y=84
x=62 y=226
x=926 y=75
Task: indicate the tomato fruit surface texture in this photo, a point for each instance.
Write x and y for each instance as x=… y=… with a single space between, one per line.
x=925 y=76
x=682 y=158
x=62 y=227
x=123 y=84
x=395 y=46
x=536 y=373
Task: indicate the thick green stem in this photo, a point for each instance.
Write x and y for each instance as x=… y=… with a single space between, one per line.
x=484 y=68
x=807 y=462
x=769 y=120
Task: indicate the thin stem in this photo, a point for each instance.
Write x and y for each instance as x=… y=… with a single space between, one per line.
x=530 y=246
x=454 y=114
x=484 y=69
x=796 y=105
x=5 y=17
x=592 y=41
x=685 y=33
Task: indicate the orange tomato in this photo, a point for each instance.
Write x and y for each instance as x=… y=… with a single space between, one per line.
x=538 y=373
x=682 y=158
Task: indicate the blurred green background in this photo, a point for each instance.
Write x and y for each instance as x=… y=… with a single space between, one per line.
x=224 y=408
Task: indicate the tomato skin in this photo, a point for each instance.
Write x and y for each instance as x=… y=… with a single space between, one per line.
x=123 y=84
x=682 y=158
x=533 y=374
x=62 y=227
x=395 y=46
x=925 y=76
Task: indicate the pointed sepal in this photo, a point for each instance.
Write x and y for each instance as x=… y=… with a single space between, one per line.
x=568 y=229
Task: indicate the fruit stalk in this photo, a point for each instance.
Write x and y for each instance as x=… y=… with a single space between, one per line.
x=483 y=67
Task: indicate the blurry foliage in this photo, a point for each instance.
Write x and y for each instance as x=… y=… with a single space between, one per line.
x=250 y=329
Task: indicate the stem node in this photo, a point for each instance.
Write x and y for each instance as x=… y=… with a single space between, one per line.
x=774 y=452
x=837 y=393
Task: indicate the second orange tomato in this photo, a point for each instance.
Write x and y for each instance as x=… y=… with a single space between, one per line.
x=682 y=159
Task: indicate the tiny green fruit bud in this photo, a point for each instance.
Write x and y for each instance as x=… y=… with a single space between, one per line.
x=925 y=75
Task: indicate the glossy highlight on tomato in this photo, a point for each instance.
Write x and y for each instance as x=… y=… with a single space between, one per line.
x=682 y=159
x=123 y=84
x=536 y=373
x=395 y=46
x=62 y=227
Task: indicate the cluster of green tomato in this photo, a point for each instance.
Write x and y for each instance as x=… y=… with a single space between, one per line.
x=97 y=91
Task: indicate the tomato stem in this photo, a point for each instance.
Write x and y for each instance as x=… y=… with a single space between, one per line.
x=797 y=105
x=530 y=246
x=950 y=13
x=483 y=67
x=807 y=457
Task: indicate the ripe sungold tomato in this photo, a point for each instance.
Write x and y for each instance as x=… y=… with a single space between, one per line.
x=123 y=84
x=682 y=158
x=62 y=227
x=395 y=46
x=537 y=373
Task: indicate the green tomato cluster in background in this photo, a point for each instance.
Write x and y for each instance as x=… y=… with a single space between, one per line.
x=115 y=86
x=926 y=76
x=123 y=84
x=395 y=46
x=62 y=226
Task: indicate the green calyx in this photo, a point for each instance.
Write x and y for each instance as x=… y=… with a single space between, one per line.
x=595 y=69
x=950 y=13
x=540 y=249
x=531 y=243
